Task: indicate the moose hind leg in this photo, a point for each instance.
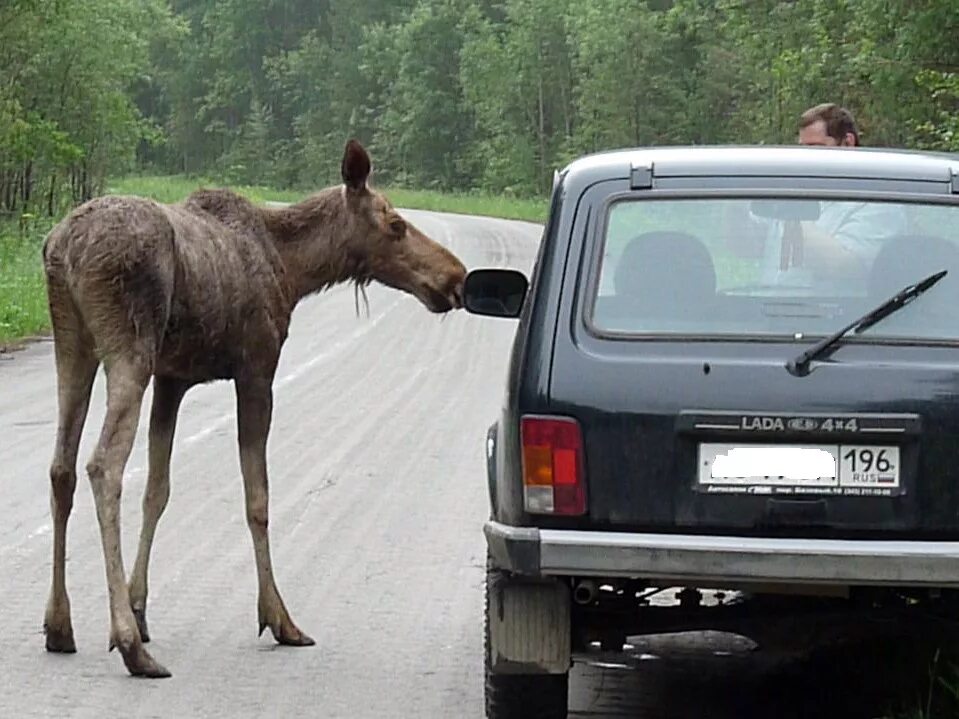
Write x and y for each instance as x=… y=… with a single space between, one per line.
x=76 y=367
x=127 y=377
x=254 y=409
x=167 y=396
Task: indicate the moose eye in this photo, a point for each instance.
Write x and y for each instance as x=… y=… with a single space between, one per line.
x=398 y=227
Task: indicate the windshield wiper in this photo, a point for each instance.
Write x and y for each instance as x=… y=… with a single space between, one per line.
x=800 y=365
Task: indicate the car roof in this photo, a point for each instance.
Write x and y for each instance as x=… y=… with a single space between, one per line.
x=773 y=160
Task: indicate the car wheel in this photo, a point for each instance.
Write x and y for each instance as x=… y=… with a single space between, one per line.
x=521 y=696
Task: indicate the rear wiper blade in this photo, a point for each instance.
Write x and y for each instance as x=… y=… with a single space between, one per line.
x=800 y=365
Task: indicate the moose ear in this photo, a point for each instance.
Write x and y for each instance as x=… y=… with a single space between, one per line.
x=356 y=165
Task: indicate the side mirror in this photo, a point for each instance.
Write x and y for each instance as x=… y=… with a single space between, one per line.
x=785 y=209
x=494 y=292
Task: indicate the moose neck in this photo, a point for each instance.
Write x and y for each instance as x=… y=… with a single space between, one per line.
x=314 y=240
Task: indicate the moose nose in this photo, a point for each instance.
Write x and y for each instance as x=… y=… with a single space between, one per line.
x=456 y=293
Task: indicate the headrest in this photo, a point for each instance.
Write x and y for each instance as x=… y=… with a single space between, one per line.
x=666 y=269
x=906 y=259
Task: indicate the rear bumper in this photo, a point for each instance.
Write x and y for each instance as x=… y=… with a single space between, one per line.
x=718 y=561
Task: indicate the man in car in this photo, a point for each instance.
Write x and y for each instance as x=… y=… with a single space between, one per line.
x=838 y=248
x=828 y=125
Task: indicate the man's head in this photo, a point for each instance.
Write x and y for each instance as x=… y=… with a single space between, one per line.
x=828 y=125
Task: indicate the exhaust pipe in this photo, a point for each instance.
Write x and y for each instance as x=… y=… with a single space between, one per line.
x=585 y=592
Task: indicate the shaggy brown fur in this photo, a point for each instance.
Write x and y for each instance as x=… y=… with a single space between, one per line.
x=188 y=293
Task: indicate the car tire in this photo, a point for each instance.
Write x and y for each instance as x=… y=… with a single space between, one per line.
x=520 y=696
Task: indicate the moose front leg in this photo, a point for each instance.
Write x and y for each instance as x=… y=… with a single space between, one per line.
x=254 y=411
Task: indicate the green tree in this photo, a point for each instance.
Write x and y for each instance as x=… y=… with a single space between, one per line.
x=424 y=125
x=67 y=116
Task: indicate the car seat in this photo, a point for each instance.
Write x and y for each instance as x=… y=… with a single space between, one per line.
x=666 y=274
x=907 y=259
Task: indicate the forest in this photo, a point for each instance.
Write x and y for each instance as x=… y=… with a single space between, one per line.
x=449 y=95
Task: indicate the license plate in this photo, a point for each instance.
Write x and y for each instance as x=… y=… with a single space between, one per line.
x=842 y=469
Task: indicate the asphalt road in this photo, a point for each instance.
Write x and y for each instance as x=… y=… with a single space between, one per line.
x=377 y=503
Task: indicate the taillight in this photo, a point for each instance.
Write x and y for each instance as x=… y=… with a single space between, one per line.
x=553 y=480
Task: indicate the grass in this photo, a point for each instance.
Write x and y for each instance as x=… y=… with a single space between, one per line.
x=470 y=204
x=173 y=188
x=176 y=187
x=940 y=700
x=23 y=301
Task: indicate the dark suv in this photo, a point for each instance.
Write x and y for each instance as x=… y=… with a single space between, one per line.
x=734 y=368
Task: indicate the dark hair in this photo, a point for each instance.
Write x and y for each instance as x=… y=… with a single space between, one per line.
x=839 y=120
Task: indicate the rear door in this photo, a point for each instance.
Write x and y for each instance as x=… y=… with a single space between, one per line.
x=671 y=413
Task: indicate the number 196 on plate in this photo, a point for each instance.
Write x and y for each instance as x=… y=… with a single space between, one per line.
x=865 y=466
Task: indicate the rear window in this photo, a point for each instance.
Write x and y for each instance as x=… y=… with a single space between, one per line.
x=783 y=267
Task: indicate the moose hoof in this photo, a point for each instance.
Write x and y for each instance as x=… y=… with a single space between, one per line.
x=289 y=636
x=60 y=640
x=297 y=640
x=140 y=664
x=141 y=618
